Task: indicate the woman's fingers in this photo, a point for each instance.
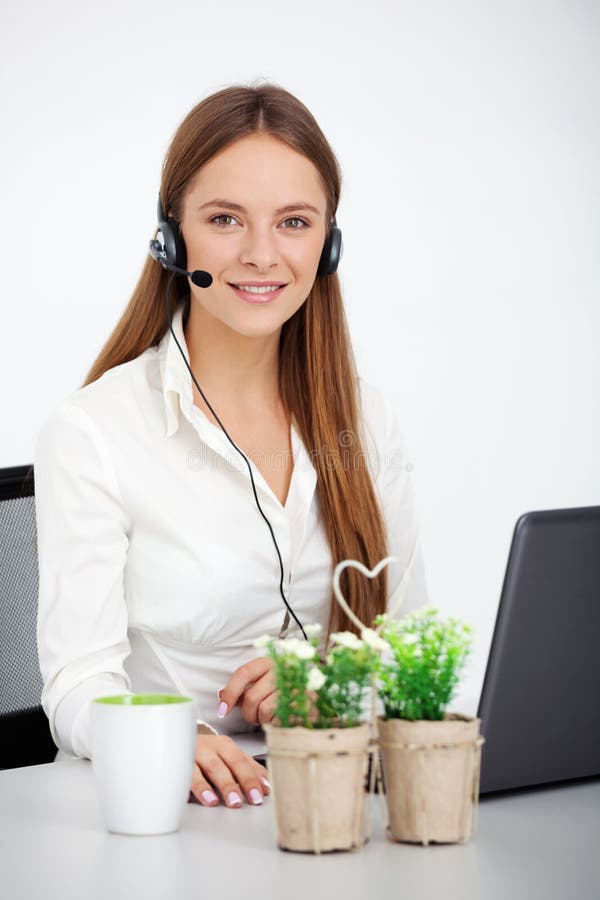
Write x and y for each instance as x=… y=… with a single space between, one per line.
x=259 y=701
x=201 y=789
x=240 y=681
x=223 y=779
x=267 y=709
x=246 y=770
x=222 y=769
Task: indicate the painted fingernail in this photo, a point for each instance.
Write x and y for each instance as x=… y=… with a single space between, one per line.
x=265 y=782
x=234 y=799
x=209 y=796
x=256 y=796
x=222 y=710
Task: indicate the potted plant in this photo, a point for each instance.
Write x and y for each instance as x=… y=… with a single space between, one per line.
x=317 y=744
x=430 y=758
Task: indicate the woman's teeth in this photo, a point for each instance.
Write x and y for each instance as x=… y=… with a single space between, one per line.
x=254 y=289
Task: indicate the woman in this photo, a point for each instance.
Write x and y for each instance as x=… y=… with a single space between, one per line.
x=158 y=568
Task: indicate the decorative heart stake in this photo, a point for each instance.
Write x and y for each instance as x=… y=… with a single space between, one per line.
x=370 y=573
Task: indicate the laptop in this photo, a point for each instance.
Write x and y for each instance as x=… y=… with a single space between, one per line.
x=540 y=701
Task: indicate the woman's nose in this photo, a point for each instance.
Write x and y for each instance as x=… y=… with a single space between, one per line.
x=260 y=248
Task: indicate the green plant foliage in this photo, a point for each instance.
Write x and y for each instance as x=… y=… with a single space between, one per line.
x=347 y=674
x=420 y=674
x=318 y=692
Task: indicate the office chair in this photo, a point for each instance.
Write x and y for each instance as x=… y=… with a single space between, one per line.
x=25 y=738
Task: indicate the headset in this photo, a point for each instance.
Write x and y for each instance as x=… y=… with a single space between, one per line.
x=168 y=248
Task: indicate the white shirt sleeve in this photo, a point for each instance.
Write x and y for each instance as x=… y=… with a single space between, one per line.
x=82 y=538
x=400 y=508
x=82 y=530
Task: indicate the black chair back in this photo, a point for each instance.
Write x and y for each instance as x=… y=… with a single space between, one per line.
x=25 y=738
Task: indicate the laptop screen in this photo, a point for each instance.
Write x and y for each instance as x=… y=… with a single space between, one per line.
x=540 y=701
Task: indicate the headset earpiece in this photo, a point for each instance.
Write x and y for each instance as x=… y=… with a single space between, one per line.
x=332 y=251
x=174 y=245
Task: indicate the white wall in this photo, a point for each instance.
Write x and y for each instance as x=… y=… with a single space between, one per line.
x=469 y=137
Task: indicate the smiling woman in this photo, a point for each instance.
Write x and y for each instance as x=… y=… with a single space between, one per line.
x=158 y=566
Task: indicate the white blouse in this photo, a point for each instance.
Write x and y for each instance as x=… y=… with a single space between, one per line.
x=156 y=570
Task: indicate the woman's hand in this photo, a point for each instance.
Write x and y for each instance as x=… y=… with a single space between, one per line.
x=252 y=687
x=222 y=766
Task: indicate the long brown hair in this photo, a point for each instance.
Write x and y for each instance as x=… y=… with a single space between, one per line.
x=318 y=379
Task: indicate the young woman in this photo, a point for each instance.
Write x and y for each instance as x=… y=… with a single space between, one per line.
x=222 y=455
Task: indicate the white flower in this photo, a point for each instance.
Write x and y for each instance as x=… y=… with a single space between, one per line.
x=263 y=640
x=296 y=647
x=312 y=630
x=316 y=679
x=347 y=639
x=410 y=638
x=372 y=639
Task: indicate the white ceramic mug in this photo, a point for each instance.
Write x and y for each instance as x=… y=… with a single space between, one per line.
x=143 y=749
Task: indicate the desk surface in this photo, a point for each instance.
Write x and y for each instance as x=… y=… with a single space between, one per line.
x=535 y=844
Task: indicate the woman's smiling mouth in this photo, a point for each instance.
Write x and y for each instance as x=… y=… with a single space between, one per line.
x=258 y=292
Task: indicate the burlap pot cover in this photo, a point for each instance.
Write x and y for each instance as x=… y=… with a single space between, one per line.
x=431 y=774
x=318 y=786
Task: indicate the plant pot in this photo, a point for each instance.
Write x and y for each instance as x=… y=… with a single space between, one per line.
x=317 y=778
x=431 y=775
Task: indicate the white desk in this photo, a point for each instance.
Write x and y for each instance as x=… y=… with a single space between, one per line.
x=535 y=845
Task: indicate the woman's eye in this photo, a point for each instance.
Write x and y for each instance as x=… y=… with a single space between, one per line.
x=222 y=216
x=296 y=219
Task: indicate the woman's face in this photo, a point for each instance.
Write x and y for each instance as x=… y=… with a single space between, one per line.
x=246 y=236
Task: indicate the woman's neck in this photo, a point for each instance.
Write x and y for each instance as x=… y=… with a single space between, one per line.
x=237 y=373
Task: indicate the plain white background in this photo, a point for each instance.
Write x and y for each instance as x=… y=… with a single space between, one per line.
x=469 y=137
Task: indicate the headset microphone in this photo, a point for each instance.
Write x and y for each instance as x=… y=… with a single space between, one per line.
x=199 y=276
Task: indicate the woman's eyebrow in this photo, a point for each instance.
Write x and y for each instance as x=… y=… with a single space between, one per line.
x=291 y=207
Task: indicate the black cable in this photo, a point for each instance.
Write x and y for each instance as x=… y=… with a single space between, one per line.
x=239 y=451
